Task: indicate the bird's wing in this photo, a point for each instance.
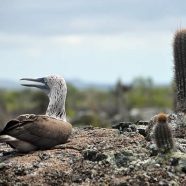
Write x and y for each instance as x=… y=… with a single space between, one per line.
x=39 y=130
x=14 y=123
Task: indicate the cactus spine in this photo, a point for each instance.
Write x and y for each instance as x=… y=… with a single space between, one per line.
x=163 y=134
x=179 y=48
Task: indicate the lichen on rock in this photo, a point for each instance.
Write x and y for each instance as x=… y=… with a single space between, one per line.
x=92 y=156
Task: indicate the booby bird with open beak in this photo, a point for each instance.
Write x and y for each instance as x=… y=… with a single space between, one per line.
x=31 y=132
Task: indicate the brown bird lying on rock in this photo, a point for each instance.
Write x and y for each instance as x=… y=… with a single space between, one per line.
x=31 y=132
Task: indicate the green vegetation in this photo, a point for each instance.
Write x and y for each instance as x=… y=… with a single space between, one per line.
x=145 y=94
x=90 y=106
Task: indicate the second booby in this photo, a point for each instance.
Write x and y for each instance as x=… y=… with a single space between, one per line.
x=31 y=132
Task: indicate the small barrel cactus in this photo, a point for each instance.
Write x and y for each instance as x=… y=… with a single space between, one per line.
x=162 y=133
x=179 y=47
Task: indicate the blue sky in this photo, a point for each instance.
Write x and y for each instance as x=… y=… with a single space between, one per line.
x=95 y=41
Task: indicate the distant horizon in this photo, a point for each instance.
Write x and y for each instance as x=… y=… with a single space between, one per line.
x=14 y=79
x=78 y=82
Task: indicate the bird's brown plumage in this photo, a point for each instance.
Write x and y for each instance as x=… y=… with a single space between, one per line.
x=39 y=130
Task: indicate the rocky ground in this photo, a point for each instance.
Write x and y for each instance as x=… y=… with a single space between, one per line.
x=96 y=156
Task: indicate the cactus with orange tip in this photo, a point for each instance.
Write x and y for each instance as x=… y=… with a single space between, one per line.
x=163 y=134
x=179 y=47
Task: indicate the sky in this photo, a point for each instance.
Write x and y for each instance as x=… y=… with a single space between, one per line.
x=97 y=41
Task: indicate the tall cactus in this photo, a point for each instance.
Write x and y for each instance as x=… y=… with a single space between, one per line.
x=179 y=48
x=163 y=133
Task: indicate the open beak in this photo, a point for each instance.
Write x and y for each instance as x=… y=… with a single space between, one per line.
x=43 y=85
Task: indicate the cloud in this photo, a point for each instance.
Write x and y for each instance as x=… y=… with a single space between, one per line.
x=33 y=52
x=46 y=17
x=82 y=39
x=68 y=39
x=108 y=41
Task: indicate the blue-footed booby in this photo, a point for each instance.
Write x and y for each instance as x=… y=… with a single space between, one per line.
x=31 y=132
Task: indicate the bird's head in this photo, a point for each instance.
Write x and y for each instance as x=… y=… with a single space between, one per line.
x=50 y=84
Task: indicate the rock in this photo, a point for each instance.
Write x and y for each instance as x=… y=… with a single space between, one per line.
x=142 y=130
x=142 y=123
x=133 y=128
x=20 y=171
x=2 y=166
x=183 y=165
x=179 y=159
x=44 y=156
x=122 y=126
x=174 y=161
x=123 y=158
x=152 y=149
x=93 y=156
x=164 y=183
x=125 y=127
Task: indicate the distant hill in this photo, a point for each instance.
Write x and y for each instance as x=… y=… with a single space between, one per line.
x=14 y=85
x=85 y=85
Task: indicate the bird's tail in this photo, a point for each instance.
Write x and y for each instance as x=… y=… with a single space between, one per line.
x=7 y=138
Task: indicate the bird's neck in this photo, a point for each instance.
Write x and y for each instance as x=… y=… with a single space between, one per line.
x=56 y=107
